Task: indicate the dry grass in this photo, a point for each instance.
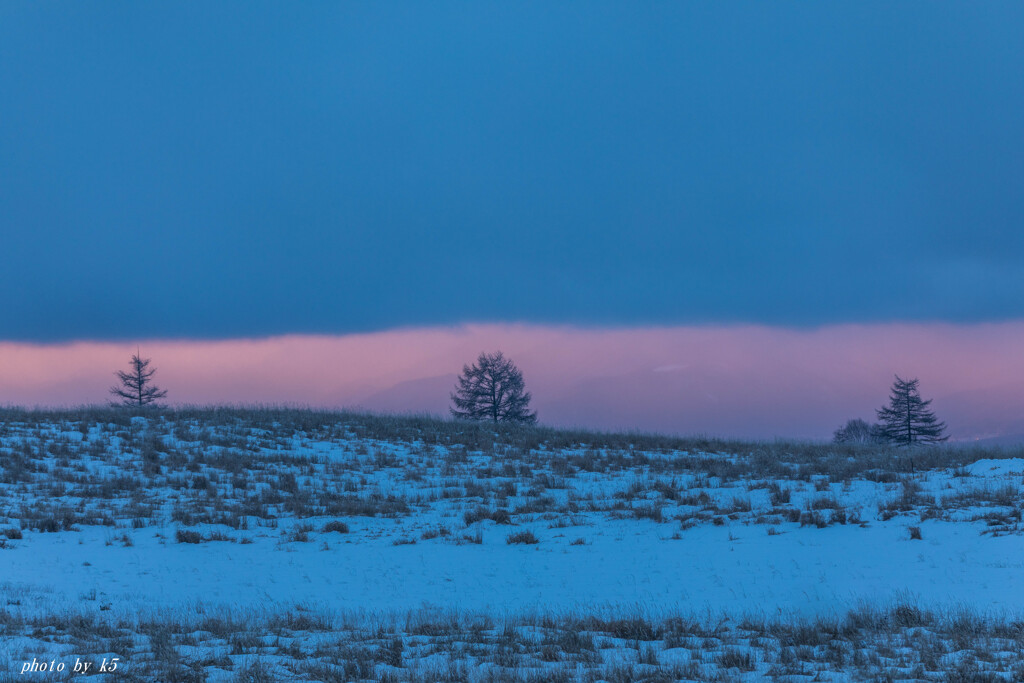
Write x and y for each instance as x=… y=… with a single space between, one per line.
x=902 y=641
x=245 y=466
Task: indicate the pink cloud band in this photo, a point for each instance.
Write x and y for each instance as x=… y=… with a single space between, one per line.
x=746 y=381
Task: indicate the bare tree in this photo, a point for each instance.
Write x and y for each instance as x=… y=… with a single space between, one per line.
x=854 y=431
x=492 y=389
x=906 y=420
x=137 y=388
x=858 y=431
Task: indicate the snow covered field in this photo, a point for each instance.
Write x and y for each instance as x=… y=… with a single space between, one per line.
x=417 y=549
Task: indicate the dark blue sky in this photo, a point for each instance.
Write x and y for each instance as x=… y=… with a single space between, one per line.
x=234 y=169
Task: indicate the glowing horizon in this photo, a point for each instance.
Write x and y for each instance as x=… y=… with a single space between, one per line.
x=750 y=381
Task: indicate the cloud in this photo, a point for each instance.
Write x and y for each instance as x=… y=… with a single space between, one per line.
x=338 y=168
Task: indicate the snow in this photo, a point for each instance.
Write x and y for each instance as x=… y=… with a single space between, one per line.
x=725 y=545
x=996 y=468
x=720 y=569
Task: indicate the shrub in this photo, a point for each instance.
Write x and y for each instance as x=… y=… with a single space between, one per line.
x=734 y=659
x=336 y=526
x=300 y=533
x=777 y=494
x=255 y=672
x=434 y=533
x=186 y=536
x=391 y=653
x=813 y=518
x=477 y=538
x=524 y=537
x=498 y=515
x=651 y=512
x=741 y=504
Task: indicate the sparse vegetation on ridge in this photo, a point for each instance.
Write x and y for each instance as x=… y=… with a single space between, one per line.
x=237 y=467
x=902 y=641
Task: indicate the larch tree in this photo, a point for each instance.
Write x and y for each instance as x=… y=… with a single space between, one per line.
x=137 y=388
x=907 y=421
x=492 y=389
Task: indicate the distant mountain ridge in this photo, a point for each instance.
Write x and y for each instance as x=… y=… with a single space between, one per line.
x=685 y=399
